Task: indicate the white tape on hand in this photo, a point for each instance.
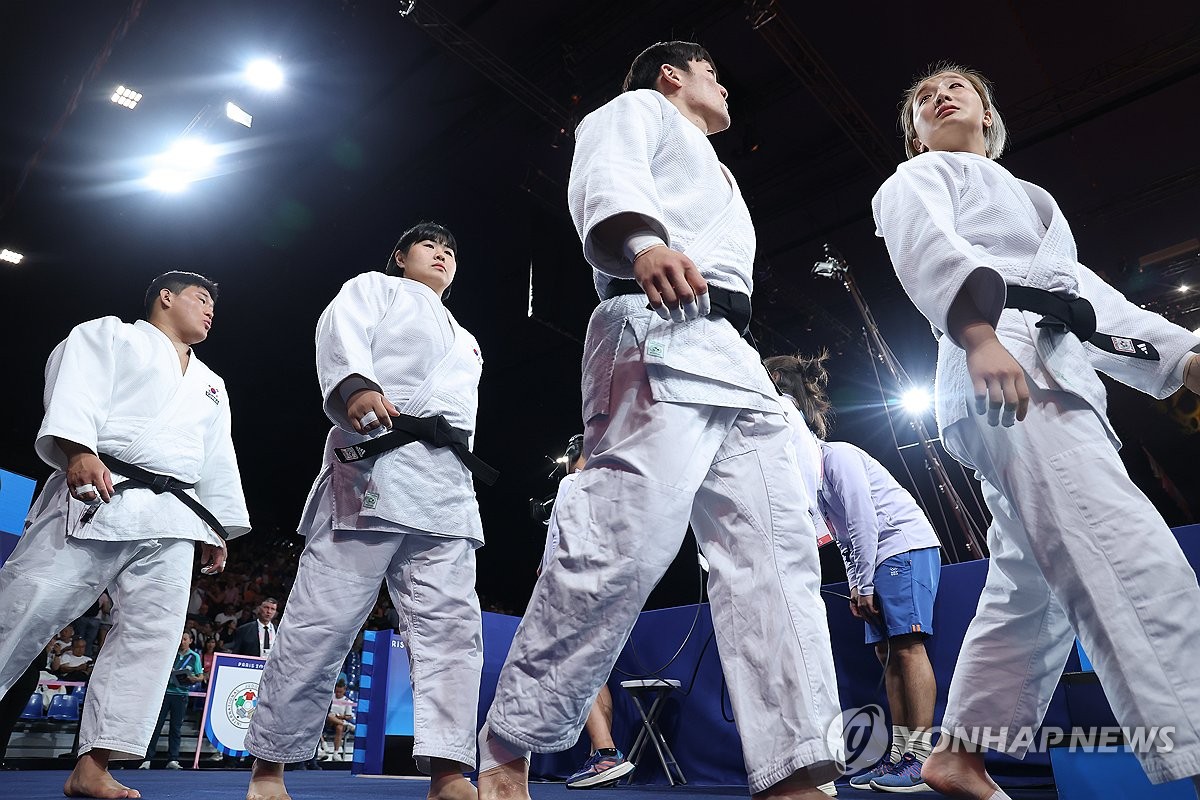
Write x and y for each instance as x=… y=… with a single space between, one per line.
x=368 y=419
x=87 y=488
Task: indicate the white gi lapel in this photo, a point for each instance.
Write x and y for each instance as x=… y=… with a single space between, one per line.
x=716 y=233
x=423 y=392
x=1055 y=259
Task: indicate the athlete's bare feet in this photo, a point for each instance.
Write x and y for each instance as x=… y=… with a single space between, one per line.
x=955 y=772
x=799 y=786
x=91 y=778
x=506 y=782
x=266 y=782
x=452 y=787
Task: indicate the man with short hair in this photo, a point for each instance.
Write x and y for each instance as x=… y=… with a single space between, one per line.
x=186 y=672
x=681 y=423
x=257 y=637
x=74 y=664
x=138 y=430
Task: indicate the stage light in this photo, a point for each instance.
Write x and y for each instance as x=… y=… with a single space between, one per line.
x=237 y=115
x=187 y=160
x=916 y=401
x=126 y=97
x=265 y=74
x=1183 y=287
x=11 y=256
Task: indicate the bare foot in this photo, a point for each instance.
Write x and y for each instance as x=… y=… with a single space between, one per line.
x=506 y=782
x=91 y=778
x=452 y=787
x=956 y=773
x=266 y=782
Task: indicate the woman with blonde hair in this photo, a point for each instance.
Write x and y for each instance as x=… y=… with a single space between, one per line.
x=1023 y=329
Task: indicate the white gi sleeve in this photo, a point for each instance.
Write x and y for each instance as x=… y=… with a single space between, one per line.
x=1117 y=316
x=80 y=376
x=220 y=486
x=846 y=479
x=610 y=175
x=345 y=333
x=916 y=214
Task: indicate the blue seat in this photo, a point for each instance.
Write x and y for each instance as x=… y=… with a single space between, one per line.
x=34 y=708
x=64 y=707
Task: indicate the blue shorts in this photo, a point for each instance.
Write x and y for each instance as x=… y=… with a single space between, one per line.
x=905 y=586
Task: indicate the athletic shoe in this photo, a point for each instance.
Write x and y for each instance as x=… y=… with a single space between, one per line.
x=864 y=781
x=905 y=776
x=173 y=764
x=144 y=765
x=829 y=788
x=601 y=769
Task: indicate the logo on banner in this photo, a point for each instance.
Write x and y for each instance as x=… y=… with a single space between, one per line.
x=240 y=705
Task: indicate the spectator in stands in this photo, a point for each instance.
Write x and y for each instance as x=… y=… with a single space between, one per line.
x=341 y=715
x=74 y=664
x=255 y=638
x=206 y=657
x=227 y=613
x=184 y=675
x=58 y=645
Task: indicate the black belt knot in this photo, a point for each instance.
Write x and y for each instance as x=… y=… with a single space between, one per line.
x=733 y=307
x=1078 y=315
x=137 y=477
x=434 y=430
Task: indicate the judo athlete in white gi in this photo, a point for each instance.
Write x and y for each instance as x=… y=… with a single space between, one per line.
x=681 y=422
x=892 y=564
x=137 y=393
x=1074 y=544
x=388 y=352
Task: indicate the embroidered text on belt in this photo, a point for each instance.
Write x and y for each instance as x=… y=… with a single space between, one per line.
x=1079 y=317
x=138 y=478
x=433 y=430
x=733 y=307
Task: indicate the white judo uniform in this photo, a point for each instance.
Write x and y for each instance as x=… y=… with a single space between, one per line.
x=681 y=422
x=407 y=516
x=118 y=389
x=1074 y=544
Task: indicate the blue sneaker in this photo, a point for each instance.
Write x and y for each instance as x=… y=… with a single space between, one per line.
x=604 y=768
x=905 y=776
x=882 y=768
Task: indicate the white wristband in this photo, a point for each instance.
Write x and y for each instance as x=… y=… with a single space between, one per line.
x=639 y=241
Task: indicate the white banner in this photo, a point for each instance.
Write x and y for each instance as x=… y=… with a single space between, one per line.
x=232 y=698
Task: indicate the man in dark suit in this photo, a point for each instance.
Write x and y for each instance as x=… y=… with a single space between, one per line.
x=256 y=637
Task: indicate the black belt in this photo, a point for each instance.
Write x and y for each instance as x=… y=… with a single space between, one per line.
x=433 y=430
x=733 y=307
x=138 y=478
x=1079 y=317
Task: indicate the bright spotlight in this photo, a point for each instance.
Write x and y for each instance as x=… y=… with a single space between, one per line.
x=126 y=97
x=186 y=161
x=265 y=74
x=11 y=256
x=1183 y=287
x=238 y=115
x=916 y=401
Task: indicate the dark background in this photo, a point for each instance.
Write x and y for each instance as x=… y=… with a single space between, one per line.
x=387 y=119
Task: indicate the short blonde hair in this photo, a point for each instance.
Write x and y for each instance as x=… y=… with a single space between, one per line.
x=994 y=137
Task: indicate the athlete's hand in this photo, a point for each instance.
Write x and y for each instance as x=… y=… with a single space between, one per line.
x=998 y=380
x=1191 y=373
x=85 y=468
x=366 y=402
x=672 y=284
x=865 y=607
x=212 y=558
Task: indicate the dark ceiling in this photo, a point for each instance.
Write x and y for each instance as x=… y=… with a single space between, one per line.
x=462 y=111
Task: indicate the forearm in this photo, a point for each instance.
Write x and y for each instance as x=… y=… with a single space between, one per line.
x=967 y=325
x=71 y=449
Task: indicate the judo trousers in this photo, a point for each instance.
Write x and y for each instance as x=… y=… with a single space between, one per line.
x=432 y=583
x=652 y=466
x=1075 y=546
x=52 y=578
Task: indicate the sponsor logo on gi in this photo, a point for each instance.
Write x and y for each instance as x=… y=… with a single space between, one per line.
x=212 y=394
x=858 y=737
x=240 y=705
x=370 y=500
x=656 y=350
x=1123 y=345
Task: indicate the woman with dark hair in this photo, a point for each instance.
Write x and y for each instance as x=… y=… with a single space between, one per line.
x=394 y=501
x=892 y=563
